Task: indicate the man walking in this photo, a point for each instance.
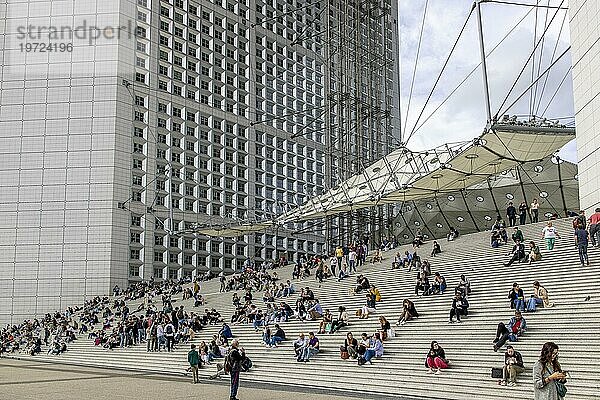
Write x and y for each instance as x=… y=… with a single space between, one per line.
x=194 y=361
x=595 y=227
x=235 y=356
x=581 y=241
x=222 y=280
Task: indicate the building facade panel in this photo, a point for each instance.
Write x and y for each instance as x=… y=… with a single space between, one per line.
x=585 y=53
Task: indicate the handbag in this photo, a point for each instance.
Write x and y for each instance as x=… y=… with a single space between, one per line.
x=497 y=373
x=344 y=355
x=561 y=389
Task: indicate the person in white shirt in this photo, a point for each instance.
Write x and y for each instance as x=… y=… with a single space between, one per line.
x=160 y=334
x=549 y=233
x=300 y=344
x=352 y=260
x=535 y=210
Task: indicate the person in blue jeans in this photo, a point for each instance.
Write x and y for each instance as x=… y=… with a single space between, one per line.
x=517 y=297
x=310 y=349
x=375 y=350
x=511 y=332
x=581 y=241
x=277 y=337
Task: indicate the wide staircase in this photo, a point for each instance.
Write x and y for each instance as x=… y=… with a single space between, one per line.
x=573 y=323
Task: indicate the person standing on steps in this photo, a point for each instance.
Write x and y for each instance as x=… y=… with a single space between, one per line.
x=194 y=361
x=547 y=374
x=352 y=256
x=339 y=255
x=581 y=241
x=522 y=212
x=511 y=214
x=549 y=234
x=535 y=210
x=594 y=226
x=235 y=357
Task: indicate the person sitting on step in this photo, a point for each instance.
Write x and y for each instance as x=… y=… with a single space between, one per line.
x=350 y=346
x=517 y=235
x=377 y=257
x=422 y=284
x=460 y=306
x=325 y=324
x=517 y=298
x=375 y=294
x=436 y=249
x=516 y=327
x=534 y=253
x=439 y=284
x=436 y=359
x=343 y=272
x=452 y=235
x=398 y=262
x=538 y=298
x=299 y=345
x=408 y=312
x=277 y=337
x=384 y=328
x=375 y=349
x=500 y=226
x=513 y=366
x=369 y=307
x=495 y=239
x=341 y=320
x=311 y=348
x=315 y=311
x=266 y=336
x=418 y=240
x=225 y=331
x=362 y=283
x=464 y=286
x=517 y=254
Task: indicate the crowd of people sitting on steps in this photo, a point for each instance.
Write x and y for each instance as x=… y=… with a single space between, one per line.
x=110 y=322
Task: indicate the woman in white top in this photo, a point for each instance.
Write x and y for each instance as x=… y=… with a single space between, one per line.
x=549 y=233
x=535 y=210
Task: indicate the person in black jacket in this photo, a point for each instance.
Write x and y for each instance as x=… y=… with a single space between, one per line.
x=513 y=366
x=408 y=312
x=236 y=355
x=460 y=306
x=350 y=346
x=517 y=297
x=511 y=214
x=362 y=283
x=518 y=253
x=436 y=358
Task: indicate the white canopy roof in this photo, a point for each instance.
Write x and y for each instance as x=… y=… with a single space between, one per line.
x=404 y=175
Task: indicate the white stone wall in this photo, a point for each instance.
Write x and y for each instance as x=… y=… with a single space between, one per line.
x=58 y=145
x=585 y=35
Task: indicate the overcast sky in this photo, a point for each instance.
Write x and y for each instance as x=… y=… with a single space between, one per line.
x=463 y=116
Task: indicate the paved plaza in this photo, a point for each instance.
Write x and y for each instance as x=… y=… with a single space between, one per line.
x=25 y=380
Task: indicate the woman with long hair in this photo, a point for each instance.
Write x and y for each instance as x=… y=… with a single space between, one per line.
x=436 y=359
x=384 y=328
x=547 y=374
